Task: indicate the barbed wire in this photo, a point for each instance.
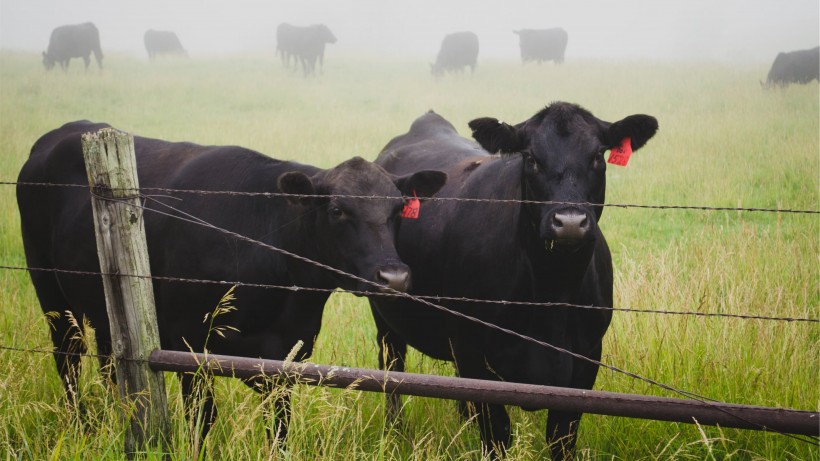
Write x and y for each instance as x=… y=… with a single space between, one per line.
x=198 y=221
x=435 y=198
x=456 y=313
x=427 y=297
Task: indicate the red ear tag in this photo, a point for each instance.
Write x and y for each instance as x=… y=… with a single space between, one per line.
x=411 y=207
x=620 y=154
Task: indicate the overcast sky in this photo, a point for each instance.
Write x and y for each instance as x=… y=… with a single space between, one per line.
x=636 y=29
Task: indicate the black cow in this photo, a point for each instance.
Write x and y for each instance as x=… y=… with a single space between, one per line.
x=535 y=252
x=351 y=234
x=458 y=50
x=285 y=34
x=800 y=66
x=542 y=44
x=306 y=44
x=73 y=41
x=163 y=43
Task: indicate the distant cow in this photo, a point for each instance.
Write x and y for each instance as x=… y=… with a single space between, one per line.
x=323 y=224
x=542 y=44
x=535 y=238
x=800 y=66
x=73 y=41
x=163 y=43
x=304 y=44
x=458 y=50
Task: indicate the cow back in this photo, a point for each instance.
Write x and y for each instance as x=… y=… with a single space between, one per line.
x=74 y=41
x=457 y=50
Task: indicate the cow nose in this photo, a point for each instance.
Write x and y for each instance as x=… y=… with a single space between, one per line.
x=395 y=278
x=570 y=225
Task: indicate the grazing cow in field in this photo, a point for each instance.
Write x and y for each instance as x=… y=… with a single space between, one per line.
x=542 y=44
x=325 y=225
x=284 y=43
x=163 y=43
x=550 y=251
x=800 y=66
x=305 y=44
x=73 y=41
x=458 y=50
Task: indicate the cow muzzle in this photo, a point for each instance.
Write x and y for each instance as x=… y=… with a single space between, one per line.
x=394 y=278
x=567 y=229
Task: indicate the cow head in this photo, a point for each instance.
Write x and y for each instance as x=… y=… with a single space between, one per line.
x=562 y=150
x=48 y=61
x=324 y=34
x=351 y=232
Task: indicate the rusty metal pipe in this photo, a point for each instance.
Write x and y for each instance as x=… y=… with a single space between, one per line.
x=497 y=392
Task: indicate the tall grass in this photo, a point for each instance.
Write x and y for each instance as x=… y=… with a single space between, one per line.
x=723 y=141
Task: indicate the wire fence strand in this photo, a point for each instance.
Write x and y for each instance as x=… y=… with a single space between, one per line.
x=436 y=198
x=194 y=220
x=434 y=298
x=456 y=313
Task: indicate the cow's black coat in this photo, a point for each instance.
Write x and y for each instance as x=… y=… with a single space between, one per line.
x=306 y=44
x=801 y=66
x=552 y=252
x=73 y=41
x=355 y=235
x=163 y=43
x=542 y=44
x=458 y=50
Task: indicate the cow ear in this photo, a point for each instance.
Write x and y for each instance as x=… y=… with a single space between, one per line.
x=298 y=184
x=496 y=136
x=423 y=183
x=639 y=128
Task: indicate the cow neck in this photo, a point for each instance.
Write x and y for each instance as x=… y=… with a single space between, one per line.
x=297 y=235
x=527 y=195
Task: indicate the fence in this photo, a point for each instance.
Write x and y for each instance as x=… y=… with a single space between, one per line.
x=693 y=409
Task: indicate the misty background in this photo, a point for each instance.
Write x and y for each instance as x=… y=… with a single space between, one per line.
x=730 y=30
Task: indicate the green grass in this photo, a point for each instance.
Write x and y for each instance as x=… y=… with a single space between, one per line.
x=723 y=141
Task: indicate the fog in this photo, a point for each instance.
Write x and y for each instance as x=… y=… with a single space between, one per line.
x=726 y=30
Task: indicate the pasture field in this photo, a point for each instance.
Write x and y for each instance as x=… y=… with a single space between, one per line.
x=723 y=142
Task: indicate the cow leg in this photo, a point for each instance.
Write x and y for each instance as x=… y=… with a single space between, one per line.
x=87 y=61
x=65 y=335
x=493 y=420
x=392 y=352
x=493 y=426
x=562 y=433
x=562 y=426
x=200 y=411
x=280 y=416
x=68 y=346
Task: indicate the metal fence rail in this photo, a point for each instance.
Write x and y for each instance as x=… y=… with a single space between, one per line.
x=497 y=392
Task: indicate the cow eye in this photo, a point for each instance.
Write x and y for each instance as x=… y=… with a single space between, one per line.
x=335 y=211
x=598 y=160
x=530 y=159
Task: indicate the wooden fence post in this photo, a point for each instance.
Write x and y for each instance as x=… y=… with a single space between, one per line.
x=112 y=173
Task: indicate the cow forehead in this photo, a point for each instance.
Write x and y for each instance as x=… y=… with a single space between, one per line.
x=566 y=120
x=359 y=177
x=564 y=124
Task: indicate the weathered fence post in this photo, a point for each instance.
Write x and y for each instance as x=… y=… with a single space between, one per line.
x=112 y=173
